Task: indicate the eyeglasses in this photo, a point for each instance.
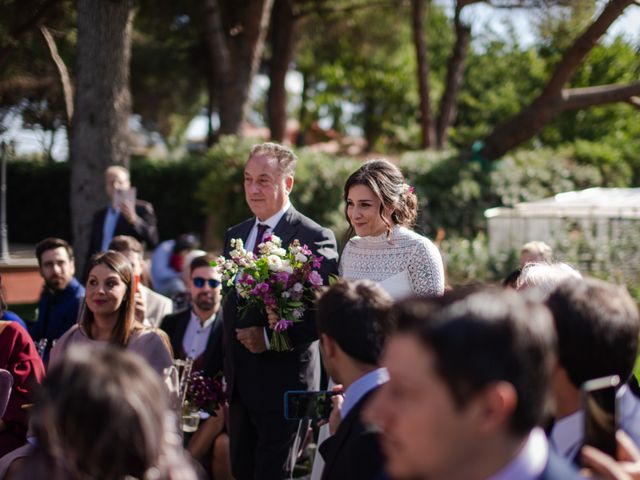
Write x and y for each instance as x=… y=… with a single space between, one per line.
x=199 y=282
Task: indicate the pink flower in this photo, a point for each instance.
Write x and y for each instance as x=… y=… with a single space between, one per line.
x=282 y=325
x=315 y=279
x=260 y=289
x=317 y=261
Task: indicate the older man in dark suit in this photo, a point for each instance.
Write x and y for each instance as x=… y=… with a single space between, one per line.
x=137 y=220
x=257 y=377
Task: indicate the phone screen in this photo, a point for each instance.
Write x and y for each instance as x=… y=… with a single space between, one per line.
x=300 y=405
x=600 y=416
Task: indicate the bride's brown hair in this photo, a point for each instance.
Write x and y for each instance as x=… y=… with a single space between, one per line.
x=387 y=183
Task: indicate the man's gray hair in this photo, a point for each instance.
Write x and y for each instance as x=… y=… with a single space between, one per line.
x=284 y=156
x=546 y=277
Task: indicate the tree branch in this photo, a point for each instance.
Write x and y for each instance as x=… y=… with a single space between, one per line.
x=576 y=98
x=635 y=102
x=345 y=8
x=65 y=79
x=25 y=85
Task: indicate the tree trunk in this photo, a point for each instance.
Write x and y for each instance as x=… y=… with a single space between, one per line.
x=100 y=131
x=532 y=118
x=455 y=71
x=282 y=41
x=234 y=52
x=426 y=120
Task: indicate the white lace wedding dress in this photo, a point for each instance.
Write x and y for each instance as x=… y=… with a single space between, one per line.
x=405 y=263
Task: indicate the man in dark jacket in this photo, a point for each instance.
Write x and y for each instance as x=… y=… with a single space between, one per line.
x=353 y=325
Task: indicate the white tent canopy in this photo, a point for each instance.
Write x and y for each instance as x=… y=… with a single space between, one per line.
x=597 y=213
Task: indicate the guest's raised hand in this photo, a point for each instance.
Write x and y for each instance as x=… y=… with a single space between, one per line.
x=336 y=413
x=605 y=467
x=140 y=308
x=128 y=211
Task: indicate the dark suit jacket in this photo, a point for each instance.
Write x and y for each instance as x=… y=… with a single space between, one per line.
x=175 y=325
x=146 y=231
x=260 y=380
x=354 y=451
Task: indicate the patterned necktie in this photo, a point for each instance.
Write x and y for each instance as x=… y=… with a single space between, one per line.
x=261 y=229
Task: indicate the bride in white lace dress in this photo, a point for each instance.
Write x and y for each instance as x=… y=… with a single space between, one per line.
x=381 y=210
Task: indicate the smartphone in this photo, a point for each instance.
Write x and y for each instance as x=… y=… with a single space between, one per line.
x=305 y=405
x=599 y=404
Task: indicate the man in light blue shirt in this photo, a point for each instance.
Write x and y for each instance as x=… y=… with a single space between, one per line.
x=353 y=324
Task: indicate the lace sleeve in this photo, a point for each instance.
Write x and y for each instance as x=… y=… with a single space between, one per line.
x=426 y=270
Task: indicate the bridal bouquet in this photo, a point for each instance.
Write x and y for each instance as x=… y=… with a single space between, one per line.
x=278 y=281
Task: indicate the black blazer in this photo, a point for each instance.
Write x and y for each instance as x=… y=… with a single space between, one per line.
x=175 y=325
x=353 y=451
x=146 y=231
x=260 y=380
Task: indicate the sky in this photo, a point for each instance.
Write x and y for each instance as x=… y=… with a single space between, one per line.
x=480 y=16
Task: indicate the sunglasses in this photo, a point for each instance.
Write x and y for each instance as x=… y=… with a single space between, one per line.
x=199 y=282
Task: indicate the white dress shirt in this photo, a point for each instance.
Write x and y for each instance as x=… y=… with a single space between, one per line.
x=361 y=387
x=196 y=335
x=271 y=222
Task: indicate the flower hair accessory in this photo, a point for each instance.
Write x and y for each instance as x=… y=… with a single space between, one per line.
x=406 y=188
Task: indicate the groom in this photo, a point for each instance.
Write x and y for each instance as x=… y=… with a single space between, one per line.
x=256 y=376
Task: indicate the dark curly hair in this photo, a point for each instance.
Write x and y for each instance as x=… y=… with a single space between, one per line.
x=387 y=183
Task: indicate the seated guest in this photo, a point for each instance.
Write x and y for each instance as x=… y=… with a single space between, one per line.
x=103 y=414
x=196 y=332
x=109 y=315
x=62 y=294
x=18 y=355
x=122 y=218
x=151 y=307
x=535 y=252
x=597 y=325
x=353 y=325
x=168 y=262
x=468 y=386
x=544 y=277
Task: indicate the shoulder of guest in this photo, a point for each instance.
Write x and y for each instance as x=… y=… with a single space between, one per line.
x=76 y=287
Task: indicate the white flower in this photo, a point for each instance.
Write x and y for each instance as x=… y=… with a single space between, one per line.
x=286 y=294
x=301 y=257
x=297 y=287
x=274 y=262
x=281 y=252
x=286 y=266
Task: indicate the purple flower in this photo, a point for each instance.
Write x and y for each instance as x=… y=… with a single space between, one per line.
x=261 y=288
x=282 y=325
x=315 y=279
x=305 y=250
x=282 y=277
x=317 y=261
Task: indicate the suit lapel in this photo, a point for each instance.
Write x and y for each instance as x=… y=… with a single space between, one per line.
x=287 y=227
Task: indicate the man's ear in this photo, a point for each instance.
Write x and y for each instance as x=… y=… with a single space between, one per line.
x=495 y=406
x=288 y=181
x=327 y=345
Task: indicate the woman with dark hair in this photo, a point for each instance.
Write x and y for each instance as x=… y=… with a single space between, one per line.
x=104 y=414
x=108 y=316
x=19 y=356
x=381 y=210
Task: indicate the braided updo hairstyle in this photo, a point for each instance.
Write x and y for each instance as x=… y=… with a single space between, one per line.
x=387 y=183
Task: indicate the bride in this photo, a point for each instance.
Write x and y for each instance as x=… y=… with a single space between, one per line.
x=381 y=210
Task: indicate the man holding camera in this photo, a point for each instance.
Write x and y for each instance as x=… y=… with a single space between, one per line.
x=353 y=325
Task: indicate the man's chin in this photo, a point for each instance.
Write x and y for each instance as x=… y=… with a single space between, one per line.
x=56 y=285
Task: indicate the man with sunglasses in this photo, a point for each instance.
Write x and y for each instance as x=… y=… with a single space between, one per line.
x=196 y=332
